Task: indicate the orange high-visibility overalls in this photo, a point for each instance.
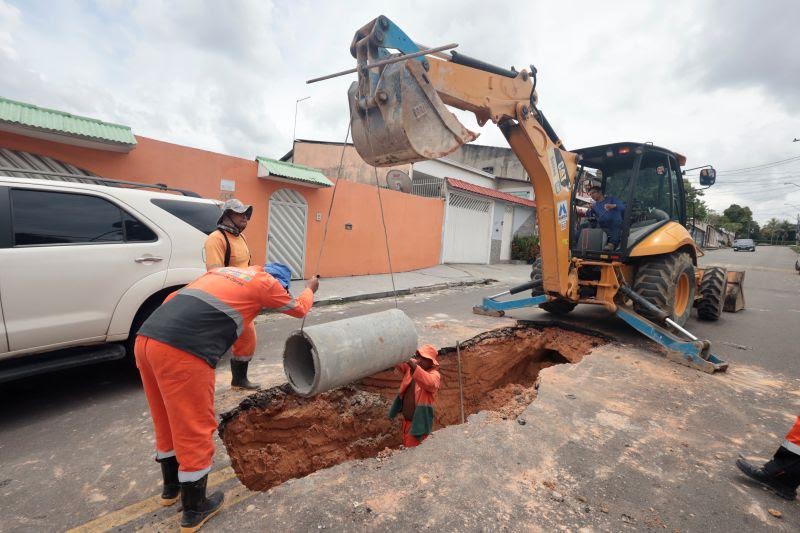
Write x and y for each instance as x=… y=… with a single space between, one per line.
x=180 y=344
x=792 y=440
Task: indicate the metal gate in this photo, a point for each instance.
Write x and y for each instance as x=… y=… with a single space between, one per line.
x=286 y=238
x=466 y=232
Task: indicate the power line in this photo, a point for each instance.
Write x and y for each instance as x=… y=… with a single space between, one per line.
x=760 y=166
x=782 y=189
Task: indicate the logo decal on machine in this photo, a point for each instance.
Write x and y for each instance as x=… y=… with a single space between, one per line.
x=551 y=155
x=558 y=170
x=563 y=214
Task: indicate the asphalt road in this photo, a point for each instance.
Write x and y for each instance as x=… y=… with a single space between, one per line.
x=77 y=445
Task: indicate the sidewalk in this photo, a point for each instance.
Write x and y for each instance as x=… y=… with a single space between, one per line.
x=353 y=288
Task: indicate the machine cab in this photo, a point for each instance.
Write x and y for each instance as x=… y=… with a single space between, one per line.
x=623 y=193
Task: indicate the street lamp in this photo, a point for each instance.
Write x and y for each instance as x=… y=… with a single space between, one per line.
x=294 y=129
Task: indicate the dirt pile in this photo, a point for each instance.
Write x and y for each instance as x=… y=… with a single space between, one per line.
x=274 y=435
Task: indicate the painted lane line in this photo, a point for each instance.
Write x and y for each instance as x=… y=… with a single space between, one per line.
x=134 y=511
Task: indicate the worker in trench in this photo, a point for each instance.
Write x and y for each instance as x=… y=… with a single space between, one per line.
x=227 y=247
x=782 y=473
x=418 y=389
x=178 y=348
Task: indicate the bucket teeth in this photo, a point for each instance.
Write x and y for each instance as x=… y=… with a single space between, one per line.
x=480 y=310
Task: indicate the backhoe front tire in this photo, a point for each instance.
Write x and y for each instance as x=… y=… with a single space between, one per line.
x=556 y=307
x=668 y=282
x=712 y=291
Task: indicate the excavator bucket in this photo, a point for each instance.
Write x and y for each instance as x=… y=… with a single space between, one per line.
x=403 y=119
x=734 y=291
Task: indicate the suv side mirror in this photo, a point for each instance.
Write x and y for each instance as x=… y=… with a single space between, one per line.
x=707 y=177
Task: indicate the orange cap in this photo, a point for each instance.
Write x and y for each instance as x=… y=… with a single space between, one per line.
x=429 y=352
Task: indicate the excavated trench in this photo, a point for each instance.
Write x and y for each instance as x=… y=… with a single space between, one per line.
x=274 y=435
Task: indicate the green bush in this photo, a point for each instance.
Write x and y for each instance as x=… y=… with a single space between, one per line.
x=525 y=248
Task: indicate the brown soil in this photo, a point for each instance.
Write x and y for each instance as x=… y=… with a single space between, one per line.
x=273 y=435
x=499 y=370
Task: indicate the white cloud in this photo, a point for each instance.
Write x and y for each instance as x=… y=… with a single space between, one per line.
x=9 y=23
x=225 y=75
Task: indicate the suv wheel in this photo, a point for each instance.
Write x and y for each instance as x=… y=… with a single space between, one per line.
x=143 y=314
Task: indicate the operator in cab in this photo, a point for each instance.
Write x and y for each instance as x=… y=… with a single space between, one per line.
x=608 y=212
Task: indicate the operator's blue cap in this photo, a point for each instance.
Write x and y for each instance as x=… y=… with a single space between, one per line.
x=279 y=272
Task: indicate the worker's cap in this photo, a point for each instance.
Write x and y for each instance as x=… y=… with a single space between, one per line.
x=237 y=207
x=279 y=272
x=429 y=352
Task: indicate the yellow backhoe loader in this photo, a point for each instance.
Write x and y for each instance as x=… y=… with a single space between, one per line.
x=650 y=278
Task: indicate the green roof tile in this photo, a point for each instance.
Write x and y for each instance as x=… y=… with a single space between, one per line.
x=51 y=120
x=294 y=172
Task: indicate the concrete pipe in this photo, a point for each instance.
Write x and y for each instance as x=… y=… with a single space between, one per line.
x=326 y=356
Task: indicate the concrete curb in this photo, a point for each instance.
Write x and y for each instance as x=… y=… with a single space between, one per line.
x=402 y=292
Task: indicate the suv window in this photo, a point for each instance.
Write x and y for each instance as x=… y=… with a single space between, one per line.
x=136 y=231
x=45 y=217
x=199 y=215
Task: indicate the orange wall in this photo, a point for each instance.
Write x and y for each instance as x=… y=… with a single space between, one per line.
x=414 y=228
x=414 y=223
x=327 y=156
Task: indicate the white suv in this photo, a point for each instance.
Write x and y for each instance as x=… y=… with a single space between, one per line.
x=82 y=265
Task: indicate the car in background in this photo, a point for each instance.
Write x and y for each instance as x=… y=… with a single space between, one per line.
x=82 y=265
x=748 y=245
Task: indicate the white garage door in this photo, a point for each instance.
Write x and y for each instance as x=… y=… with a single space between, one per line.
x=466 y=232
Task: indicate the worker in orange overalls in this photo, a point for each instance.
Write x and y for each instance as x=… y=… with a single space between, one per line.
x=177 y=349
x=227 y=247
x=421 y=381
x=781 y=474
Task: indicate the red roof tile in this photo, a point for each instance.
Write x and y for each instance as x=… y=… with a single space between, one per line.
x=491 y=193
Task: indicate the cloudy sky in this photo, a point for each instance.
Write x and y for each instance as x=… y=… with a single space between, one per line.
x=716 y=80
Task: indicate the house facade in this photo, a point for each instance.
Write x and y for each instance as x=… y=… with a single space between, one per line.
x=291 y=203
x=482 y=213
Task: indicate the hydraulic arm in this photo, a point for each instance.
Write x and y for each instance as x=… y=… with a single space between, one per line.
x=399 y=116
x=398 y=112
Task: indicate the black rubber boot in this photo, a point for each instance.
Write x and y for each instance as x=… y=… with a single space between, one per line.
x=197 y=509
x=781 y=475
x=239 y=376
x=172 y=487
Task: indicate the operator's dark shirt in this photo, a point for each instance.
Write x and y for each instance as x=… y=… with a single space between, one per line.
x=608 y=218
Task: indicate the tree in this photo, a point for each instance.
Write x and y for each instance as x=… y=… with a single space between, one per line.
x=787 y=231
x=738 y=219
x=772 y=228
x=738 y=214
x=755 y=230
x=696 y=208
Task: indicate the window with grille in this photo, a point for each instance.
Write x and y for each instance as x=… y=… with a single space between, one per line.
x=469 y=202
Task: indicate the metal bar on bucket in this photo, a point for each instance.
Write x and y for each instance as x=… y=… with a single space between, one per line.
x=384 y=62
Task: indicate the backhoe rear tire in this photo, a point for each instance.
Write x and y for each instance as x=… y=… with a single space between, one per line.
x=556 y=307
x=712 y=291
x=668 y=282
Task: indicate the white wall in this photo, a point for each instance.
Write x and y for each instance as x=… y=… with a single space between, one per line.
x=521 y=214
x=515 y=189
x=449 y=169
